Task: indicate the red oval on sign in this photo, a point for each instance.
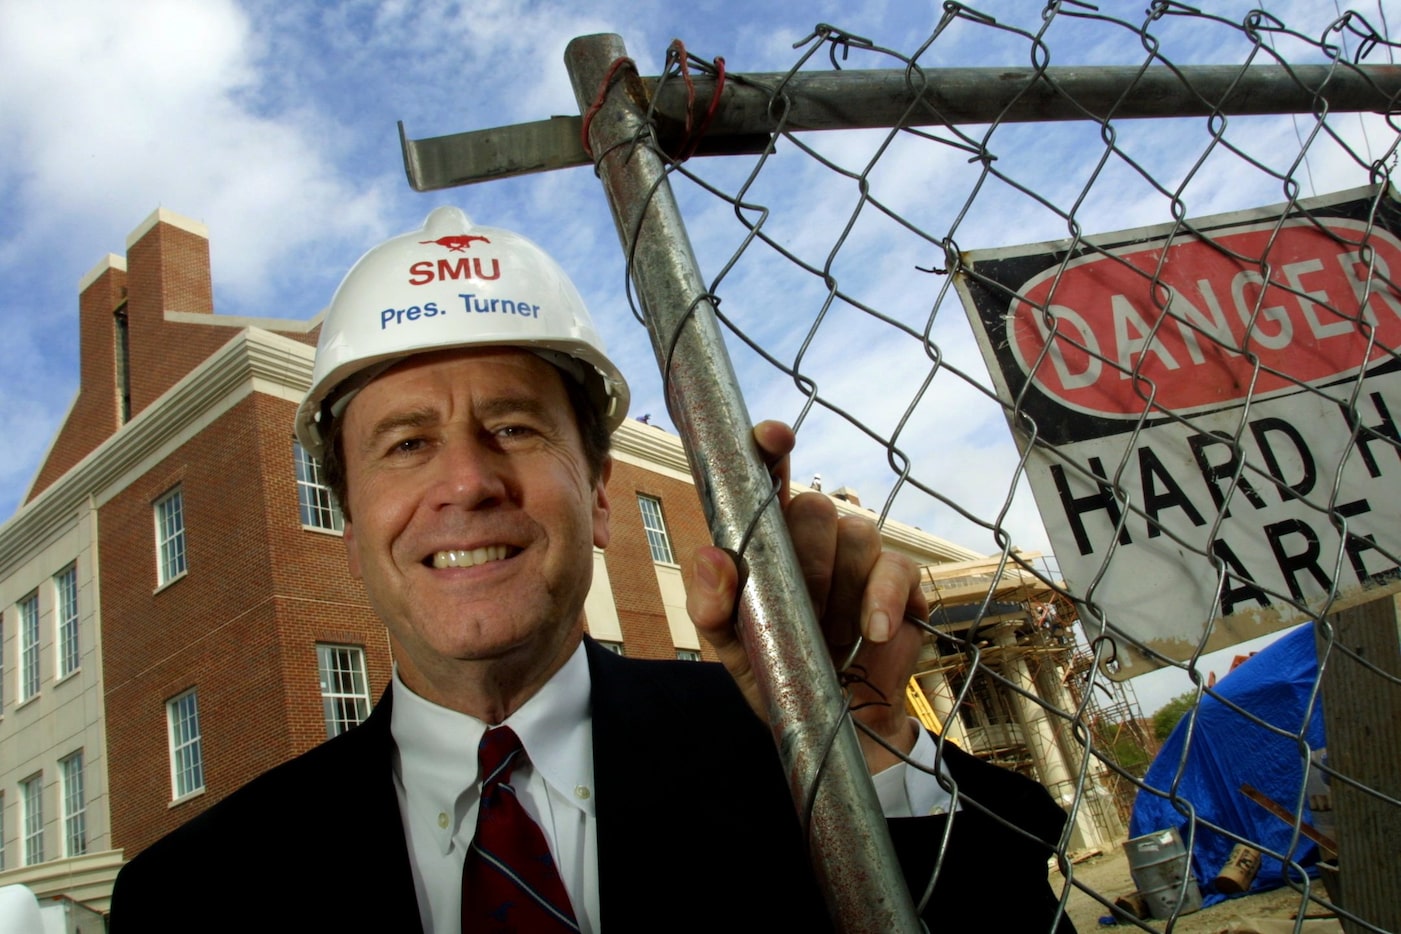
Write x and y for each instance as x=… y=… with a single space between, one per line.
x=1102 y=336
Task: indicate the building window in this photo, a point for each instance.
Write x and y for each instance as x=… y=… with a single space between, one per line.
x=345 y=694
x=170 y=536
x=75 y=809
x=2 y=831
x=615 y=647
x=66 y=591
x=31 y=802
x=186 y=759
x=28 y=647
x=688 y=655
x=656 y=529
x=318 y=507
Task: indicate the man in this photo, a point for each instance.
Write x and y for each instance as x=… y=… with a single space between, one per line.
x=461 y=403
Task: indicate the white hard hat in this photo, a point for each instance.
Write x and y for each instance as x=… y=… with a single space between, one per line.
x=19 y=910
x=453 y=284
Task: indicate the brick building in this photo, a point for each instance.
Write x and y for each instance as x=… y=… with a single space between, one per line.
x=175 y=611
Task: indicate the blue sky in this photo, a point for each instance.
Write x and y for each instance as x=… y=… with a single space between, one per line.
x=273 y=123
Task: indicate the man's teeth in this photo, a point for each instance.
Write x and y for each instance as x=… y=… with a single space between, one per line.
x=468 y=558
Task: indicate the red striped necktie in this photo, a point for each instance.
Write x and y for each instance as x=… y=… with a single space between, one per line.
x=509 y=882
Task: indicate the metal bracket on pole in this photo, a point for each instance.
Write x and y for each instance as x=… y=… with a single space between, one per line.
x=851 y=850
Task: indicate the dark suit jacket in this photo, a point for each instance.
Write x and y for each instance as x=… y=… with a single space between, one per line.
x=696 y=831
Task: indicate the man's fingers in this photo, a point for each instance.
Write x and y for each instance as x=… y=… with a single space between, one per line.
x=892 y=591
x=856 y=588
x=775 y=441
x=711 y=602
x=857 y=553
x=812 y=524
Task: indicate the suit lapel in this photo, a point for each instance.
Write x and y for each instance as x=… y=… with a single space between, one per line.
x=618 y=827
x=380 y=853
x=688 y=789
x=642 y=795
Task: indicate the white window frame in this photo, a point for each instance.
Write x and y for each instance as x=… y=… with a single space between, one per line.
x=2 y=831
x=688 y=655
x=615 y=647
x=655 y=526
x=186 y=746
x=171 y=558
x=66 y=620
x=316 y=506
x=30 y=679
x=31 y=802
x=75 y=806
x=345 y=690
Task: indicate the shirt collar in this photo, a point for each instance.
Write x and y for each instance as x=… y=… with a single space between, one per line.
x=556 y=729
x=437 y=746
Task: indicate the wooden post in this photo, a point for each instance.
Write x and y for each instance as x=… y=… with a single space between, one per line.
x=1362 y=717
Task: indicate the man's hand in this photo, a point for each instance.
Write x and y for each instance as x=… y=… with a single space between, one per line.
x=856 y=589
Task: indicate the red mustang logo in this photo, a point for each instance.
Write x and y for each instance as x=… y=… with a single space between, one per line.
x=457 y=243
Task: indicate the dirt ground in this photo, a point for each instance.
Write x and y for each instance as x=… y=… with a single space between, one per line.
x=1108 y=876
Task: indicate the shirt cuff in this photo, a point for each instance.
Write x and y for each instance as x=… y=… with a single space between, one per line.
x=907 y=792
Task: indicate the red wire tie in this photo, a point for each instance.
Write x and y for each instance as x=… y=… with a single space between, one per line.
x=676 y=53
x=693 y=142
x=693 y=135
x=597 y=104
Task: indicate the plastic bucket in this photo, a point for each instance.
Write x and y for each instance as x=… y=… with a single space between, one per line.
x=1161 y=870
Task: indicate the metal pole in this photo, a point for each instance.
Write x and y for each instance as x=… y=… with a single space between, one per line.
x=851 y=850
x=846 y=100
x=840 y=100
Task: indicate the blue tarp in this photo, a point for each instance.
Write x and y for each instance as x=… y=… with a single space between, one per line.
x=1228 y=749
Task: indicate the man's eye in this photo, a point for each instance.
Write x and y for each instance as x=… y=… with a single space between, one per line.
x=510 y=432
x=408 y=446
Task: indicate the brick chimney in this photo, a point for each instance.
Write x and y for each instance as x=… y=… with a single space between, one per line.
x=128 y=353
x=101 y=293
x=167 y=271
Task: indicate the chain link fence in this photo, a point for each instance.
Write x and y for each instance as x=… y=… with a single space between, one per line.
x=1112 y=301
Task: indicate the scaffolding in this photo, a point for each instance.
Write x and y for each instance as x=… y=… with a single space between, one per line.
x=1007 y=675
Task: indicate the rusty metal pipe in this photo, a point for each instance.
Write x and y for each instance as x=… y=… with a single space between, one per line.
x=851 y=850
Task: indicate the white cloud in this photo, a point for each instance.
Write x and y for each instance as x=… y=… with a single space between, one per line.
x=125 y=108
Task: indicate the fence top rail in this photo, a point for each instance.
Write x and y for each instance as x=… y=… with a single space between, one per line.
x=866 y=99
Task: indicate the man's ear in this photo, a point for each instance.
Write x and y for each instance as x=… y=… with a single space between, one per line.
x=352 y=554
x=601 y=506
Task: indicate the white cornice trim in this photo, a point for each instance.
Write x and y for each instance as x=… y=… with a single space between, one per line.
x=285 y=325
x=164 y=216
x=650 y=446
x=110 y=261
x=216 y=385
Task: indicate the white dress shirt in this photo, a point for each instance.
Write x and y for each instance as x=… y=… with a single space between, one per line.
x=435 y=776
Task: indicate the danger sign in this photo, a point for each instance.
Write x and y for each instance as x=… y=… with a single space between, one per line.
x=1208 y=413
